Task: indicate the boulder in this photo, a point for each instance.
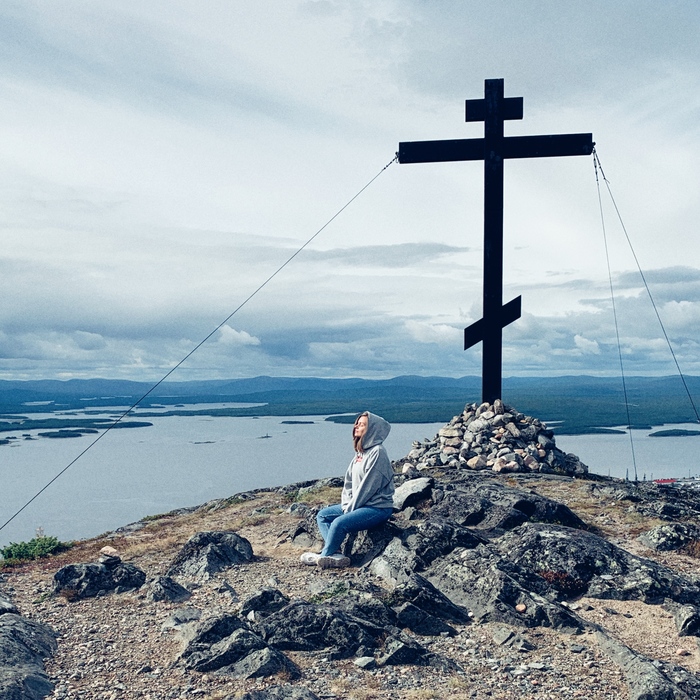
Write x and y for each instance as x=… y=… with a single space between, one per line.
x=670 y=536
x=362 y=547
x=412 y=492
x=494 y=589
x=7 y=606
x=490 y=505
x=422 y=622
x=260 y=664
x=24 y=644
x=209 y=632
x=207 y=553
x=647 y=679
x=264 y=602
x=165 y=588
x=575 y=562
x=77 y=581
x=421 y=593
x=302 y=626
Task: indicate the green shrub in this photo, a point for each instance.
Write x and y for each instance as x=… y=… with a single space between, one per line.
x=34 y=549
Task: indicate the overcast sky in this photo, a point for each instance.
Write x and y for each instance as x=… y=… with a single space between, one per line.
x=159 y=160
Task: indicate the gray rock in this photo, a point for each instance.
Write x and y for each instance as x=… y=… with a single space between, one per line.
x=181 y=617
x=24 y=644
x=225 y=652
x=77 y=581
x=421 y=622
x=575 y=562
x=412 y=492
x=264 y=602
x=670 y=536
x=7 y=606
x=207 y=553
x=492 y=505
x=260 y=664
x=164 y=588
x=302 y=626
x=401 y=649
x=365 y=662
x=490 y=586
x=278 y=692
x=425 y=596
x=208 y=633
x=362 y=547
x=686 y=618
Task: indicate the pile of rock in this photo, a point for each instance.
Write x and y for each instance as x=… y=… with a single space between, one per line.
x=496 y=437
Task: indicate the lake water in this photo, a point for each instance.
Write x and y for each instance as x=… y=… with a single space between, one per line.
x=186 y=461
x=180 y=461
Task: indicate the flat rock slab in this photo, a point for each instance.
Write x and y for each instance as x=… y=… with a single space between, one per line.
x=207 y=553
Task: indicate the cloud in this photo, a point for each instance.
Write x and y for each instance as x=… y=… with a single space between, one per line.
x=232 y=337
x=587 y=347
x=439 y=333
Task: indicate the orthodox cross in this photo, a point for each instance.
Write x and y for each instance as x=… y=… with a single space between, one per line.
x=493 y=110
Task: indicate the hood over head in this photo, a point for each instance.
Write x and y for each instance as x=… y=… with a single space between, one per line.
x=377 y=431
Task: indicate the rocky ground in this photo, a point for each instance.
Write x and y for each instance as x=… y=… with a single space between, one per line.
x=605 y=630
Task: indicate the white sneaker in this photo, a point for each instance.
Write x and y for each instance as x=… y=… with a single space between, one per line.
x=310 y=558
x=334 y=561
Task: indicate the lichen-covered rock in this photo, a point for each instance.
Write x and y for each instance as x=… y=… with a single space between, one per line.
x=207 y=553
x=575 y=562
x=670 y=536
x=647 y=679
x=6 y=605
x=495 y=589
x=492 y=505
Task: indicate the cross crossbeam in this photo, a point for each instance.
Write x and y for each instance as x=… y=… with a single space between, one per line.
x=494 y=109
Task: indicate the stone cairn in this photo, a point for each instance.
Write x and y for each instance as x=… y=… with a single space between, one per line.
x=496 y=437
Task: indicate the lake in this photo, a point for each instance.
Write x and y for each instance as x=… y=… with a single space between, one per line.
x=180 y=461
x=185 y=461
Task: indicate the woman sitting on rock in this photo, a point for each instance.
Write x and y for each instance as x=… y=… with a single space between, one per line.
x=366 y=500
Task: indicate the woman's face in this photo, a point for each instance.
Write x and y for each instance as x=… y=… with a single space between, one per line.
x=360 y=427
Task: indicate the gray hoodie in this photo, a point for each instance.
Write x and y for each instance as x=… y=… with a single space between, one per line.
x=369 y=480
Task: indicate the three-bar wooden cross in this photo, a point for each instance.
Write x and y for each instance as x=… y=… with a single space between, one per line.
x=493 y=110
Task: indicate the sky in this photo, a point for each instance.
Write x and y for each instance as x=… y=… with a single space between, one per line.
x=160 y=160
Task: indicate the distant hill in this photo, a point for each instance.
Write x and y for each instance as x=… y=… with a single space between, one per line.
x=575 y=403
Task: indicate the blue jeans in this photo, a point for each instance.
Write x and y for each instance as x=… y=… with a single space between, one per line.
x=335 y=525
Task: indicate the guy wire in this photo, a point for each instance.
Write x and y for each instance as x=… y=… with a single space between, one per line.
x=614 y=310
x=648 y=290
